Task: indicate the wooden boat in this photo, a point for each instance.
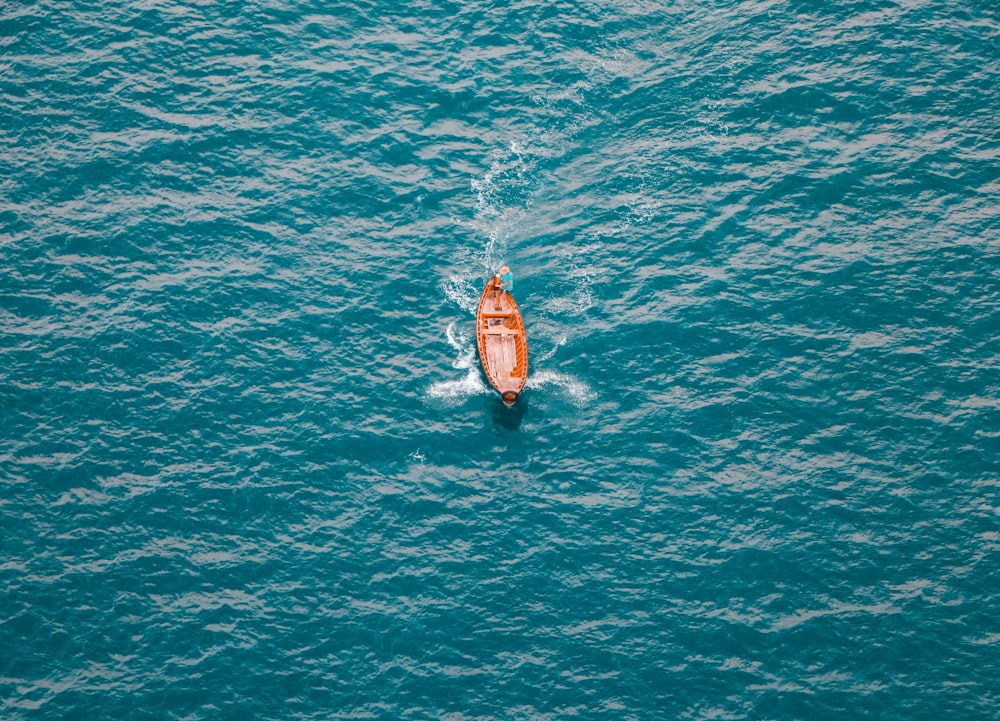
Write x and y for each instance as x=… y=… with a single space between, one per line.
x=503 y=347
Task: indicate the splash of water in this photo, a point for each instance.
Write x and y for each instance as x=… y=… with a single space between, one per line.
x=578 y=391
x=471 y=384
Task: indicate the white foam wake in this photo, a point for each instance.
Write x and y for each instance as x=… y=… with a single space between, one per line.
x=471 y=384
x=579 y=392
x=462 y=293
x=501 y=201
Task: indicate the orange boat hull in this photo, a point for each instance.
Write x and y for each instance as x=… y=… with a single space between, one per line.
x=503 y=346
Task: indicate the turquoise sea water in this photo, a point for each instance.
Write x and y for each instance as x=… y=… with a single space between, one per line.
x=251 y=470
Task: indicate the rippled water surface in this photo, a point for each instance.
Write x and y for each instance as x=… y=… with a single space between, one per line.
x=251 y=468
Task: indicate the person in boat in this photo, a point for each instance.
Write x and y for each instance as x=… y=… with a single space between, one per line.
x=506 y=280
x=506 y=283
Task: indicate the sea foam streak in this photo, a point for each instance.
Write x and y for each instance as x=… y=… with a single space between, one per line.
x=471 y=384
x=578 y=391
x=463 y=293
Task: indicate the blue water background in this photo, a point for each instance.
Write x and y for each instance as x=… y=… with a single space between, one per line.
x=250 y=468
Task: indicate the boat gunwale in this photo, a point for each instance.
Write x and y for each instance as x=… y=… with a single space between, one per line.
x=512 y=323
